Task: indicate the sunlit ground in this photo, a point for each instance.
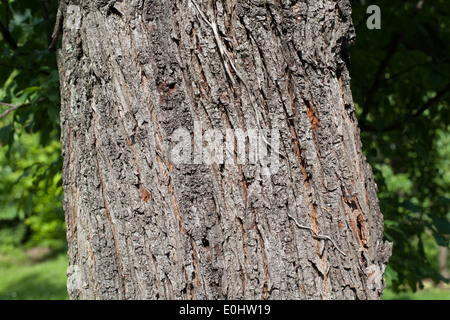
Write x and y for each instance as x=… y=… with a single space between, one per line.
x=24 y=279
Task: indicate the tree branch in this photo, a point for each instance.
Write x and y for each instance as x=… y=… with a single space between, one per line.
x=58 y=25
x=409 y=69
x=427 y=105
x=7 y=36
x=13 y=107
x=391 y=49
x=48 y=32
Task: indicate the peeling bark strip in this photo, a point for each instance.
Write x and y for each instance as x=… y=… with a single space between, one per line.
x=142 y=227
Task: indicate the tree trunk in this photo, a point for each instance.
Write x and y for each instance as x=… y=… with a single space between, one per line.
x=442 y=261
x=139 y=76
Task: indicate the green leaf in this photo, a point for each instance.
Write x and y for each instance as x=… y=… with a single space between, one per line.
x=441 y=224
x=441 y=240
x=391 y=273
x=6 y=134
x=391 y=223
x=28 y=93
x=54 y=114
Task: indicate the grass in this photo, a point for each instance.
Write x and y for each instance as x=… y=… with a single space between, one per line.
x=426 y=294
x=25 y=278
x=429 y=292
x=22 y=279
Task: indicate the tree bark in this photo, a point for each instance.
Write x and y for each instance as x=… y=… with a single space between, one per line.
x=140 y=226
x=442 y=261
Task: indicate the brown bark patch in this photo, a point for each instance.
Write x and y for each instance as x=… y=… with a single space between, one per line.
x=311 y=112
x=145 y=194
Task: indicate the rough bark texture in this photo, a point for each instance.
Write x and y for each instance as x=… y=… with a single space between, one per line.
x=140 y=227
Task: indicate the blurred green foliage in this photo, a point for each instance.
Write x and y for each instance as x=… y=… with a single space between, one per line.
x=31 y=194
x=401 y=90
x=30 y=164
x=401 y=85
